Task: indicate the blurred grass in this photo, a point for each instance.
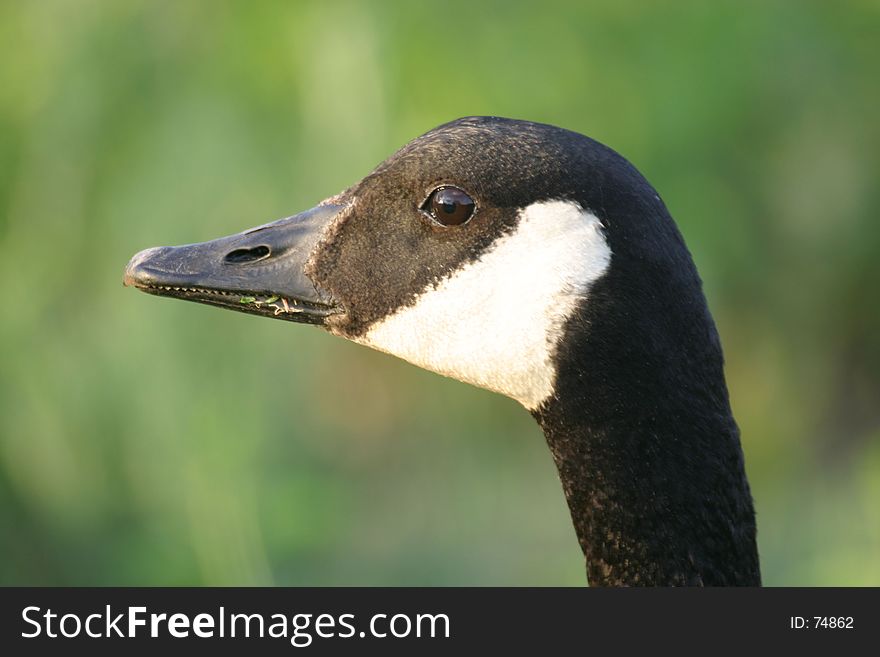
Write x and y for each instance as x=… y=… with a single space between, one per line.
x=150 y=442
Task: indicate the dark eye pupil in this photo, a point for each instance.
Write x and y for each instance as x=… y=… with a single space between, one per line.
x=450 y=206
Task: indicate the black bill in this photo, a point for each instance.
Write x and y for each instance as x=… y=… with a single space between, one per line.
x=259 y=271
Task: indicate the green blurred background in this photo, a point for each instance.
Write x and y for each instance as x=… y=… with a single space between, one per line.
x=144 y=441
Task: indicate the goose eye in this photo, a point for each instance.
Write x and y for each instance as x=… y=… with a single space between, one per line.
x=450 y=206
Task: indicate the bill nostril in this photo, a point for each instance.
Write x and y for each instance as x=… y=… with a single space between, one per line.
x=242 y=256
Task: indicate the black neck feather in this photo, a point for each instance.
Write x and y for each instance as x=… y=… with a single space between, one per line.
x=658 y=500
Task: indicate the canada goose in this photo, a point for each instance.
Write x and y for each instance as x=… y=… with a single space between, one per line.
x=538 y=263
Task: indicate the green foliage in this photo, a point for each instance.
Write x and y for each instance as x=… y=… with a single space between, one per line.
x=144 y=441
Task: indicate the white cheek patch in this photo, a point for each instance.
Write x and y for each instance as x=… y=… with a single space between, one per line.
x=496 y=322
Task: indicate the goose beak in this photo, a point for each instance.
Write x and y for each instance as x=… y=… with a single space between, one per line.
x=260 y=271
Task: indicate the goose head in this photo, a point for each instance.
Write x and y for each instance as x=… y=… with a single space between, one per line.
x=464 y=253
x=535 y=262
